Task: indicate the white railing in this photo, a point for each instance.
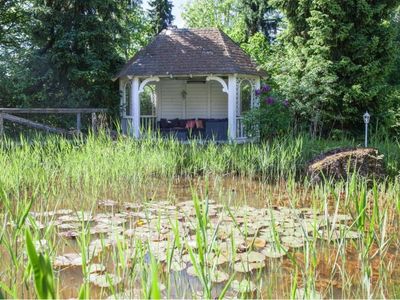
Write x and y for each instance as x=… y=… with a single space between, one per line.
x=148 y=123
x=240 y=130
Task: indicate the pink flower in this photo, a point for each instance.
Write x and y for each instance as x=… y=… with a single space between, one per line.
x=270 y=100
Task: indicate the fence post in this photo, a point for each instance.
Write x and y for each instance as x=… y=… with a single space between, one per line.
x=1 y=124
x=78 y=122
x=94 y=123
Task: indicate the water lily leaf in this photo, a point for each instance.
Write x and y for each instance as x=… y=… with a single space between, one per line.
x=70 y=234
x=252 y=257
x=191 y=271
x=107 y=203
x=218 y=276
x=178 y=266
x=302 y=294
x=243 y=286
x=273 y=251
x=257 y=243
x=96 y=268
x=243 y=267
x=68 y=260
x=104 y=280
x=293 y=242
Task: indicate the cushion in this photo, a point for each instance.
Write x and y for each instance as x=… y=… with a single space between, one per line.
x=174 y=123
x=190 y=124
x=164 y=123
x=199 y=124
x=182 y=123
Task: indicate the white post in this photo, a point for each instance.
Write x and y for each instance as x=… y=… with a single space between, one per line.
x=135 y=107
x=257 y=87
x=366 y=118
x=232 y=107
x=122 y=102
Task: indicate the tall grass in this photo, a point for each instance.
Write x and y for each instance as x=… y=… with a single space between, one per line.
x=57 y=167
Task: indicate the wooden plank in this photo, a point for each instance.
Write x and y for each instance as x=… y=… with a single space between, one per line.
x=52 y=110
x=33 y=124
x=94 y=122
x=1 y=124
x=78 y=122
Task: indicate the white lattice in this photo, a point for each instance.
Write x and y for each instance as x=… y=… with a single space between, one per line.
x=239 y=82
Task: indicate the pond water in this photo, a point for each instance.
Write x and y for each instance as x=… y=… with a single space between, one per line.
x=269 y=242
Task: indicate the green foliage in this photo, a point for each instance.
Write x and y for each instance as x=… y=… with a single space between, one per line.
x=333 y=59
x=42 y=270
x=260 y=17
x=225 y=15
x=160 y=15
x=65 y=54
x=271 y=118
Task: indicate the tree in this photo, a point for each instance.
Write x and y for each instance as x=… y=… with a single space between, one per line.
x=160 y=14
x=260 y=16
x=333 y=59
x=223 y=14
x=77 y=48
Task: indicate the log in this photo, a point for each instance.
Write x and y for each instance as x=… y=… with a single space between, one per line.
x=1 y=124
x=34 y=124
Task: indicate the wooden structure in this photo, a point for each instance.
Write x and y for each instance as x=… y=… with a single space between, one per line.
x=194 y=74
x=8 y=114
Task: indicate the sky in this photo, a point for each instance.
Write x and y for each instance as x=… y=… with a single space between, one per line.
x=176 y=11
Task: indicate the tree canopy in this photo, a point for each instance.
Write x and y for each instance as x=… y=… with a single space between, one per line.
x=160 y=14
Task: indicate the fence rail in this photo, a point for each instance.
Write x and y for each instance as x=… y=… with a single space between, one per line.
x=8 y=114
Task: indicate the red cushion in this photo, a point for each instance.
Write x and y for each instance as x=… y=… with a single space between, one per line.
x=190 y=124
x=199 y=124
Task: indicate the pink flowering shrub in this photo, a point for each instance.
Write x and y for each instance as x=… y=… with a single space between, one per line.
x=272 y=118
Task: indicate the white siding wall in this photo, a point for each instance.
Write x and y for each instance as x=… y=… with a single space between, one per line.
x=197 y=100
x=219 y=101
x=203 y=100
x=170 y=102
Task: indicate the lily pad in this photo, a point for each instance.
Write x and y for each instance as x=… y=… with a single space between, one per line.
x=302 y=294
x=273 y=251
x=191 y=271
x=243 y=286
x=178 y=266
x=218 y=276
x=68 y=260
x=96 y=268
x=243 y=267
x=104 y=280
x=252 y=257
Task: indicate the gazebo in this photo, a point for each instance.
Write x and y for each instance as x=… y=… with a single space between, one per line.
x=189 y=81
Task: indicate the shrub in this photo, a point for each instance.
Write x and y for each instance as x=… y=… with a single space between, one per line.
x=271 y=118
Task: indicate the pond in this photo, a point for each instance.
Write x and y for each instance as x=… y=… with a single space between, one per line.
x=208 y=236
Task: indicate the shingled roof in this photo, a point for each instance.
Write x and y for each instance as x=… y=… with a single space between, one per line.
x=190 y=52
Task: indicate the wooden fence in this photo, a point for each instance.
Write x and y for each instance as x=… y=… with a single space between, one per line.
x=8 y=114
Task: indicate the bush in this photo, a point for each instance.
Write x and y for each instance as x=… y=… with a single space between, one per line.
x=271 y=118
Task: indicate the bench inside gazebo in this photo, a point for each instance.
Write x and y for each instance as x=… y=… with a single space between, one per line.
x=186 y=84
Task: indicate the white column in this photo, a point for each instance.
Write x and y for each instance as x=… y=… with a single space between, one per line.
x=135 y=107
x=122 y=94
x=232 y=107
x=257 y=87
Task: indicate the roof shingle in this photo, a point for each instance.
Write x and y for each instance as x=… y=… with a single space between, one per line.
x=190 y=52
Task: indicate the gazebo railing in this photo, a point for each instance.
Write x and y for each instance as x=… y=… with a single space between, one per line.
x=148 y=122
x=240 y=129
